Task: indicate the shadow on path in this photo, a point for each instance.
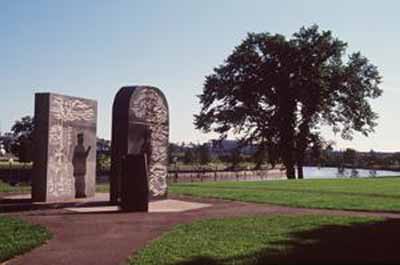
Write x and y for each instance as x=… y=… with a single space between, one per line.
x=19 y=205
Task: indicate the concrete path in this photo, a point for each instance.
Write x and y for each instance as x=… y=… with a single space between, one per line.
x=110 y=237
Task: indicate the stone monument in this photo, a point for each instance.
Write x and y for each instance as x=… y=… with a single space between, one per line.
x=64 y=148
x=140 y=126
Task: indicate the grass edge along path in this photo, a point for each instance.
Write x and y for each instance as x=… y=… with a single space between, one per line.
x=6 y=188
x=368 y=194
x=245 y=240
x=18 y=237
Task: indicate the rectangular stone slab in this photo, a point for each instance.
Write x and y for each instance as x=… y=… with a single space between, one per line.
x=64 y=148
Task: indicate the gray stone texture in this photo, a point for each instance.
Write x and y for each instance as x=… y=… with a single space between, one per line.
x=140 y=126
x=65 y=148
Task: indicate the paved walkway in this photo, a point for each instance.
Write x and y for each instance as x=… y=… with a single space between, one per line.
x=110 y=237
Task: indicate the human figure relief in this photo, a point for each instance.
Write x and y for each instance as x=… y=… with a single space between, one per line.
x=79 y=162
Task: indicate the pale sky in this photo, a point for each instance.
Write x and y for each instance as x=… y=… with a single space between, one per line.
x=92 y=48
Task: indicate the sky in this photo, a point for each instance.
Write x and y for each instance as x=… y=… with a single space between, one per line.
x=92 y=48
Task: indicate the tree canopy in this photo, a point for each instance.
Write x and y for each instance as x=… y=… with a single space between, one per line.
x=23 y=133
x=277 y=93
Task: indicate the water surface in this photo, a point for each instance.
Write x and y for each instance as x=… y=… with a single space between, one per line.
x=332 y=172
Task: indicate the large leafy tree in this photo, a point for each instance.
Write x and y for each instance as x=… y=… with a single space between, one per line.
x=23 y=133
x=277 y=93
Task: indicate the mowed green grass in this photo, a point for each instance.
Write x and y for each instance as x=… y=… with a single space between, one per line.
x=14 y=165
x=6 y=188
x=17 y=237
x=103 y=187
x=375 y=194
x=248 y=240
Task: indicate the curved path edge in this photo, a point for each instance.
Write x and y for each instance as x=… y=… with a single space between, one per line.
x=110 y=238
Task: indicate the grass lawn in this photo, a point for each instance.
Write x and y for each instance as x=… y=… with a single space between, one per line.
x=17 y=237
x=103 y=187
x=377 y=194
x=259 y=240
x=15 y=165
x=4 y=187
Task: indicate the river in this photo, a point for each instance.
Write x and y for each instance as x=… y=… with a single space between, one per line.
x=332 y=172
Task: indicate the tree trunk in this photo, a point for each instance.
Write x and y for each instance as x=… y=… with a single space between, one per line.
x=290 y=171
x=287 y=108
x=302 y=143
x=300 y=170
x=300 y=154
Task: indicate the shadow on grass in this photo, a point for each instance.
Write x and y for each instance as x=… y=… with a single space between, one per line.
x=373 y=243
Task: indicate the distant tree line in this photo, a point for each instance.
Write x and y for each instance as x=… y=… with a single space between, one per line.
x=229 y=153
x=19 y=141
x=325 y=156
x=351 y=158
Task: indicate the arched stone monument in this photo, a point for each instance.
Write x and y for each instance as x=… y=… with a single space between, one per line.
x=140 y=125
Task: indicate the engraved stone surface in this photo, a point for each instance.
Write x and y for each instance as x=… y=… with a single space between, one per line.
x=140 y=126
x=64 y=148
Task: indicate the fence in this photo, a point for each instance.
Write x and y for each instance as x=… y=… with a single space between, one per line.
x=18 y=175
x=224 y=175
